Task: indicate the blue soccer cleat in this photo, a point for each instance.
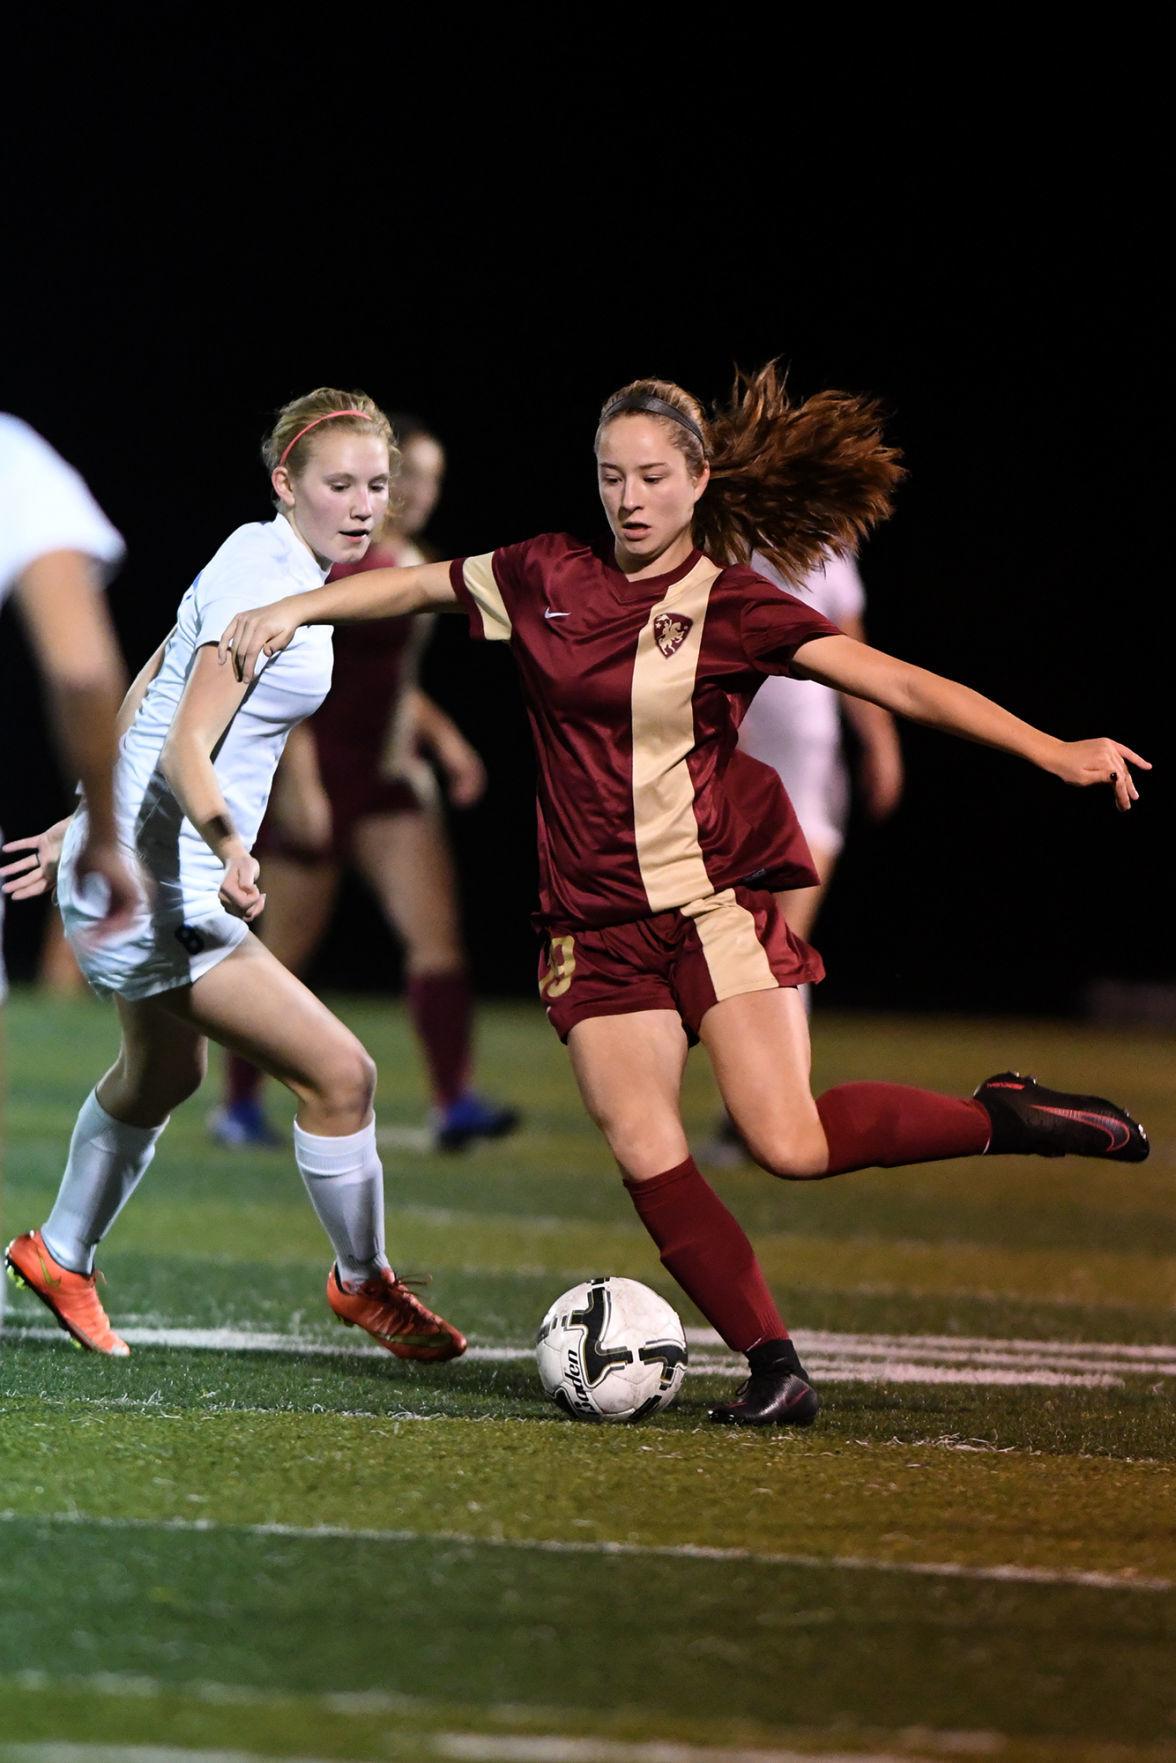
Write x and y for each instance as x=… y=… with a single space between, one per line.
x=471 y=1117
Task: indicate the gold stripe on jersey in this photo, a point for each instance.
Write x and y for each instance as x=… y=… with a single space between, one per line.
x=478 y=573
x=669 y=855
x=735 y=958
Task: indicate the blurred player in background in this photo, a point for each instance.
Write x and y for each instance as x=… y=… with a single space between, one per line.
x=56 y=549
x=795 y=726
x=355 y=787
x=662 y=846
x=197 y=757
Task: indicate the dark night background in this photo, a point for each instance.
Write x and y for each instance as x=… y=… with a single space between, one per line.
x=198 y=231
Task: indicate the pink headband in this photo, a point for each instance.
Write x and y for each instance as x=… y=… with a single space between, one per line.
x=327 y=418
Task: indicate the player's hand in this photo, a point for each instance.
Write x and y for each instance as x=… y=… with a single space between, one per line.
x=265 y=631
x=1101 y=761
x=239 y=892
x=465 y=775
x=36 y=872
x=880 y=779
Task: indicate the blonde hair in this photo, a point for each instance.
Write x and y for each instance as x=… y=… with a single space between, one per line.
x=791 y=480
x=291 y=441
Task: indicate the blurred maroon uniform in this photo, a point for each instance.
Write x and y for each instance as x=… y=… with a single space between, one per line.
x=670 y=811
x=365 y=769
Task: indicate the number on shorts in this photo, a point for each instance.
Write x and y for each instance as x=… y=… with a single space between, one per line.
x=189 y=939
x=561 y=965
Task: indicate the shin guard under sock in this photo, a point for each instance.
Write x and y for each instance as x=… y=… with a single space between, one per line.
x=873 y=1125
x=345 y=1181
x=107 y=1160
x=709 y=1255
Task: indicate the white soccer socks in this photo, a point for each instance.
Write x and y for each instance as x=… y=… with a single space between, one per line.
x=345 y=1181
x=106 y=1162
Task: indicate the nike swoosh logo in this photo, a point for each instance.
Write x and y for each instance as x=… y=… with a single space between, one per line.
x=550 y=614
x=50 y=1279
x=1117 y=1133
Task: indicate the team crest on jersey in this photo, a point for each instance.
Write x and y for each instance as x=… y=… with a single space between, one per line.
x=670 y=631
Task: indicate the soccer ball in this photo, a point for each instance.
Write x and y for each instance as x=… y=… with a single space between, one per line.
x=611 y=1349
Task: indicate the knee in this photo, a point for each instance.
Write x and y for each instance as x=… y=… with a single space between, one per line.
x=800 y=1154
x=347 y=1082
x=643 y=1147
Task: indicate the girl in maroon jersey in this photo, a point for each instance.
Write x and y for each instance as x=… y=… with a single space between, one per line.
x=662 y=846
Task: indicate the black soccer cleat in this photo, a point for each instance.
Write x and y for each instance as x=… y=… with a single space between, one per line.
x=770 y=1398
x=1029 y=1119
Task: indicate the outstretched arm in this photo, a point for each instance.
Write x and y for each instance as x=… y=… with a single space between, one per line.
x=375 y=593
x=853 y=667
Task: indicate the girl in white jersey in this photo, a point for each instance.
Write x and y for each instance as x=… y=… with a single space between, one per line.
x=197 y=758
x=56 y=546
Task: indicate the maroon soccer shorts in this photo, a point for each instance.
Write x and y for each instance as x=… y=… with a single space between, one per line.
x=685 y=960
x=357 y=792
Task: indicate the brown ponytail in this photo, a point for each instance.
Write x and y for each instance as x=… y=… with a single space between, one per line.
x=791 y=480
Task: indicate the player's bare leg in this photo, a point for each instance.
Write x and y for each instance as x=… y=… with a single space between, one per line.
x=406 y=862
x=160 y=1063
x=299 y=899
x=255 y=1005
x=629 y=1069
x=758 y=1044
x=800 y=907
x=252 y=1003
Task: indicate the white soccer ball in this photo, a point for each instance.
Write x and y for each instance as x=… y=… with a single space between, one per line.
x=611 y=1349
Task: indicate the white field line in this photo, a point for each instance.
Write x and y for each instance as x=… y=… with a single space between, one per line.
x=467 y=1747
x=59 y=1751
x=829 y=1356
x=473 y=1747
x=1006 y=1574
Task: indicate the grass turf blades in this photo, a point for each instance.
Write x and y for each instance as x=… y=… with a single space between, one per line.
x=437 y=1539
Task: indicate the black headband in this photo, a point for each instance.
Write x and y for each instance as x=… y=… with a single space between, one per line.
x=653 y=406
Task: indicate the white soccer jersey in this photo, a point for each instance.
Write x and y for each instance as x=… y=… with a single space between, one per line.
x=795 y=725
x=256 y=564
x=45 y=506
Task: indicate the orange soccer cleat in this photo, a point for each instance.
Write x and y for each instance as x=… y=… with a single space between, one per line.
x=72 y=1297
x=394 y=1316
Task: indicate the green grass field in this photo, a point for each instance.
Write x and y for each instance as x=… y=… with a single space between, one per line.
x=261 y=1536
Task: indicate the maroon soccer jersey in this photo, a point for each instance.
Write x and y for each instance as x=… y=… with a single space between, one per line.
x=374 y=664
x=363 y=738
x=635 y=692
